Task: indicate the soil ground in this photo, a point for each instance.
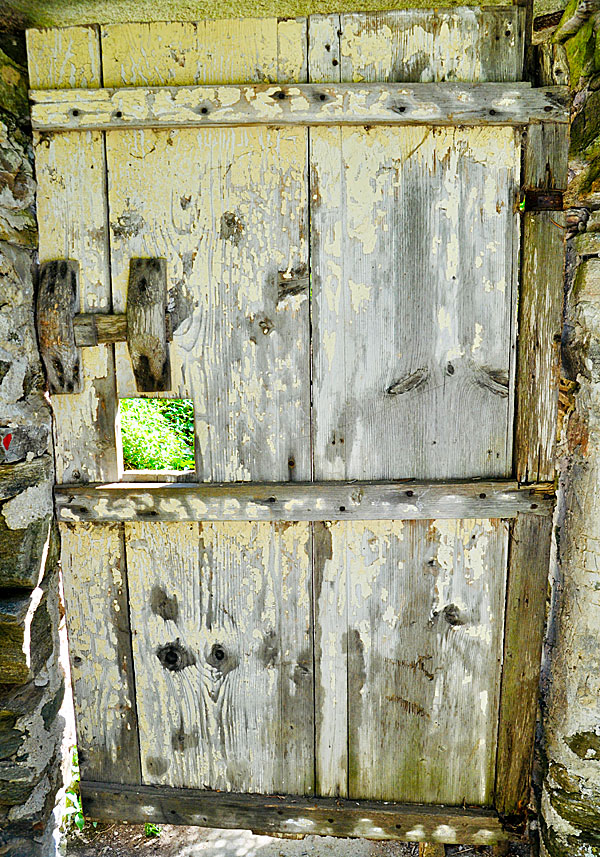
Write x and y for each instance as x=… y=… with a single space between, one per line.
x=129 y=840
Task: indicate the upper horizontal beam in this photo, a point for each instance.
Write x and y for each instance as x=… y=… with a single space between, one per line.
x=296 y=501
x=298 y=104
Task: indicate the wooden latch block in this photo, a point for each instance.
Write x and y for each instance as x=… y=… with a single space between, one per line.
x=145 y=326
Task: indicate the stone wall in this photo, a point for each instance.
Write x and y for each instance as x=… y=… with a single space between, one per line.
x=31 y=679
x=570 y=745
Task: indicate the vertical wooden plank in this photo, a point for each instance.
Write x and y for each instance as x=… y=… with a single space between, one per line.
x=540 y=308
x=423 y=624
x=331 y=666
x=421 y=45
x=73 y=221
x=95 y=586
x=418 y=224
x=529 y=559
x=223 y=654
x=236 y=200
x=72 y=217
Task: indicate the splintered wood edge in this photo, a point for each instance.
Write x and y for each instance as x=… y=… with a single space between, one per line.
x=291 y=501
x=298 y=104
x=283 y=814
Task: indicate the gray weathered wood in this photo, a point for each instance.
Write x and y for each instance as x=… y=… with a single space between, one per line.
x=416 y=609
x=73 y=222
x=228 y=210
x=299 y=104
x=290 y=501
x=221 y=624
x=426 y=45
x=275 y=813
x=540 y=308
x=147 y=324
x=57 y=302
x=431 y=397
x=97 y=604
x=97 y=328
x=529 y=560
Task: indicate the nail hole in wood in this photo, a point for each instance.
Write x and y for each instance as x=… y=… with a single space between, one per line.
x=75 y=112
x=119 y=114
x=547 y=108
x=482 y=496
x=204 y=110
x=334 y=62
x=410 y=493
x=342 y=508
x=534 y=505
x=280 y=95
x=492 y=112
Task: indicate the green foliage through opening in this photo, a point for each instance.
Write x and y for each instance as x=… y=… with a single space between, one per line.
x=157 y=434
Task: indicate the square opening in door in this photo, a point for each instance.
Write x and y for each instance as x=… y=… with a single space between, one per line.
x=157 y=434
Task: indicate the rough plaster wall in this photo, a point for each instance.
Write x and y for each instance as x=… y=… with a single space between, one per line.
x=31 y=679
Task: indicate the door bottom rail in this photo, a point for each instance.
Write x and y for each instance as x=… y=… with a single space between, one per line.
x=293 y=815
x=295 y=501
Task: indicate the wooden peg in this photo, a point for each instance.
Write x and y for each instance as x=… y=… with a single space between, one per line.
x=147 y=324
x=57 y=301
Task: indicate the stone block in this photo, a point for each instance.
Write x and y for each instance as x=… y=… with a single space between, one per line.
x=22 y=553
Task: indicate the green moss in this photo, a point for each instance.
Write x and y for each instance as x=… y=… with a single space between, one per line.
x=56 y=13
x=13 y=86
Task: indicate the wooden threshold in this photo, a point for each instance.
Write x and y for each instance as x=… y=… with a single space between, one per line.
x=295 y=501
x=283 y=814
x=298 y=104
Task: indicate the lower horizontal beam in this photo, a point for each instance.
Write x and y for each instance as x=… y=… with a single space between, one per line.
x=277 y=814
x=293 y=501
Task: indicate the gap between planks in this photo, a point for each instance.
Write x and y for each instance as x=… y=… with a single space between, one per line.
x=289 y=501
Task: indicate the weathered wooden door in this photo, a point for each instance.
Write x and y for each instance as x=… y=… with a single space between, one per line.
x=334 y=610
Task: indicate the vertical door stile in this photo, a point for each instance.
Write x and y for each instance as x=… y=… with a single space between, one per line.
x=72 y=217
x=227 y=209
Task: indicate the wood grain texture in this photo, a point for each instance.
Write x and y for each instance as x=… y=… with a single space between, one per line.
x=540 y=308
x=274 y=814
x=281 y=105
x=409 y=45
x=236 y=200
x=529 y=560
x=95 y=328
x=221 y=626
x=57 y=302
x=147 y=324
x=72 y=219
x=415 y=224
x=73 y=224
x=96 y=596
x=287 y=501
x=416 y=611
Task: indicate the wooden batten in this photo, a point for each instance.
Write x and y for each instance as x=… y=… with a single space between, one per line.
x=529 y=559
x=284 y=814
x=298 y=104
x=291 y=501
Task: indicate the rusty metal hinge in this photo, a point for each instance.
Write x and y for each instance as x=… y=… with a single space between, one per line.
x=538 y=199
x=145 y=326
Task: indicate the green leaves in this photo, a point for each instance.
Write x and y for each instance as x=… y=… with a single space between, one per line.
x=157 y=434
x=151 y=829
x=73 y=814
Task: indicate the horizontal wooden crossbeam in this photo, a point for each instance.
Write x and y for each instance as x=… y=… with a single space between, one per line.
x=298 y=104
x=293 y=501
x=279 y=814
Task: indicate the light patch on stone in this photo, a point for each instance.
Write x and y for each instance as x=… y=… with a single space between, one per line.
x=29 y=506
